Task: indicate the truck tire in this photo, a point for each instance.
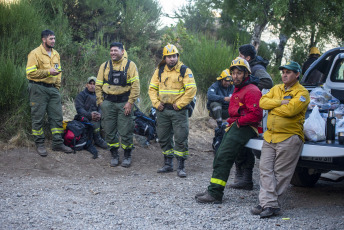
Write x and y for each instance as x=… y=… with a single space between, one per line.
x=303 y=178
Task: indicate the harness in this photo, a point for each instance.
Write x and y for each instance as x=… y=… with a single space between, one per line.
x=118 y=78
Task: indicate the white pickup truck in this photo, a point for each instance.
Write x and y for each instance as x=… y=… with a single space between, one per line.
x=318 y=157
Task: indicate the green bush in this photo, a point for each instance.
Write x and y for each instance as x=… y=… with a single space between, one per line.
x=207 y=58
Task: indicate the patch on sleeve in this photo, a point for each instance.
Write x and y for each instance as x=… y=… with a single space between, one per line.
x=212 y=90
x=302 y=98
x=190 y=75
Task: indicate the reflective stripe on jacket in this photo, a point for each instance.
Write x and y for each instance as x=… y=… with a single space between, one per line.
x=287 y=120
x=39 y=63
x=173 y=88
x=132 y=78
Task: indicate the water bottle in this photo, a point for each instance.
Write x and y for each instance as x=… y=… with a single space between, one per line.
x=330 y=127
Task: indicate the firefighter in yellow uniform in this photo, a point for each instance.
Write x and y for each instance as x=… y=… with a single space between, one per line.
x=44 y=73
x=117 y=88
x=171 y=89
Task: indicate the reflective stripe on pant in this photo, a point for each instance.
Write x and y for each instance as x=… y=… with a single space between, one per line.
x=96 y=126
x=277 y=165
x=232 y=143
x=114 y=122
x=217 y=112
x=46 y=100
x=171 y=123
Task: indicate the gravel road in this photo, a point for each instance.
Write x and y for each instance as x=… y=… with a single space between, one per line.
x=73 y=191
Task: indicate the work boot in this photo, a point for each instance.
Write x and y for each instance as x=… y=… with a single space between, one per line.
x=41 y=150
x=115 y=157
x=99 y=141
x=168 y=166
x=269 y=212
x=243 y=179
x=256 y=210
x=181 y=169
x=127 y=158
x=201 y=194
x=62 y=148
x=93 y=150
x=207 y=198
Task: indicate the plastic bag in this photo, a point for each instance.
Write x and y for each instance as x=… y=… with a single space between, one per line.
x=314 y=126
x=324 y=100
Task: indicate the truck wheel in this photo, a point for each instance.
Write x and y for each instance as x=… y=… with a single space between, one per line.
x=303 y=178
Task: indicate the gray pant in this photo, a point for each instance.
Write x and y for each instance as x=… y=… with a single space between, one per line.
x=217 y=112
x=277 y=165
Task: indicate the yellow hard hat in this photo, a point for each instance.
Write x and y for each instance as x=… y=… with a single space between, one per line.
x=240 y=62
x=314 y=50
x=169 y=50
x=225 y=75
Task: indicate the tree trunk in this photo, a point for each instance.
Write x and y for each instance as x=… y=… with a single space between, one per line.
x=257 y=33
x=280 y=48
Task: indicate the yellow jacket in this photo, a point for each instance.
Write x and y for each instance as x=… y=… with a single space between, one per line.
x=173 y=88
x=132 y=77
x=39 y=63
x=287 y=120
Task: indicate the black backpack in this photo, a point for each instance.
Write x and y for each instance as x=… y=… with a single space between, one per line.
x=145 y=125
x=79 y=135
x=190 y=107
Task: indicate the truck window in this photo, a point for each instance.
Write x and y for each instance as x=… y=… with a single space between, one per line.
x=318 y=74
x=338 y=71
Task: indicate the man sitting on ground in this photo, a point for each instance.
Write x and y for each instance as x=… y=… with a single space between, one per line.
x=85 y=105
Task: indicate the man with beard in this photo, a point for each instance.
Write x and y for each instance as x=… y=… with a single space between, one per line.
x=86 y=106
x=117 y=88
x=244 y=117
x=171 y=89
x=43 y=70
x=218 y=95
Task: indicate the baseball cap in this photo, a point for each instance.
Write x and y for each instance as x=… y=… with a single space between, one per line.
x=291 y=65
x=91 y=79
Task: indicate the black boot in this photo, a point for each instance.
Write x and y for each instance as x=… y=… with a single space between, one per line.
x=181 y=168
x=98 y=141
x=245 y=182
x=127 y=158
x=115 y=157
x=168 y=166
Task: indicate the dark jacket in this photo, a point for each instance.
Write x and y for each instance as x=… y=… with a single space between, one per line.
x=217 y=93
x=308 y=63
x=85 y=103
x=258 y=68
x=244 y=105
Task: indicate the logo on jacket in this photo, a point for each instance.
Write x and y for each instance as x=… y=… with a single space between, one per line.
x=56 y=66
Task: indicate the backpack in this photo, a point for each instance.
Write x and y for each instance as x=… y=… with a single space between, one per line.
x=79 y=134
x=190 y=107
x=144 y=125
x=219 y=132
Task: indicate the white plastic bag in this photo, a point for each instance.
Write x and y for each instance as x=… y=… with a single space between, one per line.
x=314 y=126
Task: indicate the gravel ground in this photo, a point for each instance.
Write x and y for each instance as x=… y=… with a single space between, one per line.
x=76 y=192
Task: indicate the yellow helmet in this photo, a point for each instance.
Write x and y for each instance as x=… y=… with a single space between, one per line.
x=169 y=50
x=240 y=62
x=314 y=50
x=225 y=75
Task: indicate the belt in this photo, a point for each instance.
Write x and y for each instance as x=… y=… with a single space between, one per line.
x=170 y=107
x=42 y=83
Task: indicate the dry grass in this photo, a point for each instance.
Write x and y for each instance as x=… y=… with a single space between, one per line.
x=200 y=110
x=68 y=109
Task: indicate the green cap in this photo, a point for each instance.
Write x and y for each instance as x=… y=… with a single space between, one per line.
x=91 y=79
x=292 y=65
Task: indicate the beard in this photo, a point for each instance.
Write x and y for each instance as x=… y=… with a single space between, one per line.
x=49 y=46
x=171 y=65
